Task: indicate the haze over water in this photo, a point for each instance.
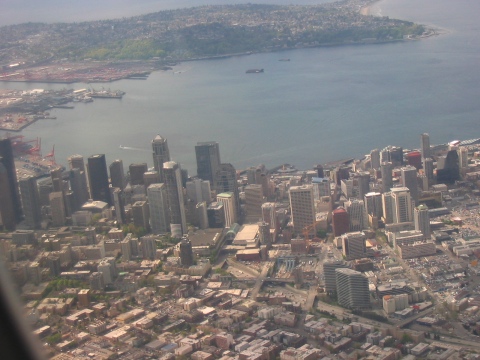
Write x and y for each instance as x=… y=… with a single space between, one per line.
x=325 y=104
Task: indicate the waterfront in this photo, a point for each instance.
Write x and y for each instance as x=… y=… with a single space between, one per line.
x=324 y=104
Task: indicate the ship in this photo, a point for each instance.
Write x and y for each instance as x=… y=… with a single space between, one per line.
x=284 y=60
x=106 y=94
x=254 y=71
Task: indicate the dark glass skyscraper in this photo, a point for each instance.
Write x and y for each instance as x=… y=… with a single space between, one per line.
x=208 y=160
x=226 y=181
x=160 y=155
x=98 y=178
x=117 y=175
x=7 y=213
x=6 y=154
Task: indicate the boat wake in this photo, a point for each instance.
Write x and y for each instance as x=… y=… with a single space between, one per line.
x=133 y=148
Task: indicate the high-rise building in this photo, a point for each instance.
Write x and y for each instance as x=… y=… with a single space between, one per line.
x=78 y=186
x=149 y=178
x=428 y=170
x=269 y=214
x=186 y=252
x=117 y=175
x=199 y=190
x=352 y=289
x=450 y=171
x=136 y=173
x=226 y=181
x=57 y=208
x=387 y=205
x=254 y=201
x=302 y=207
x=76 y=162
x=6 y=158
x=119 y=205
x=421 y=219
x=386 y=169
x=161 y=155
x=463 y=157
x=356 y=214
x=98 y=178
x=201 y=215
x=375 y=159
x=373 y=204
x=409 y=180
x=176 y=207
x=363 y=184
x=30 y=201
x=265 y=234
x=319 y=169
x=340 y=221
x=216 y=215
x=149 y=247
x=141 y=214
x=321 y=187
x=329 y=268
x=56 y=176
x=7 y=210
x=157 y=201
x=208 y=160
x=228 y=201
x=402 y=205
x=425 y=145
x=354 y=245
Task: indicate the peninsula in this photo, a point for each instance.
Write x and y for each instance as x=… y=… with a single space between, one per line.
x=109 y=50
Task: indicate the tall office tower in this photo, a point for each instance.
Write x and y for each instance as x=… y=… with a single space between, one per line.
x=450 y=172
x=302 y=207
x=319 y=169
x=76 y=162
x=375 y=159
x=340 y=221
x=421 y=219
x=428 y=170
x=98 y=178
x=425 y=145
x=57 y=179
x=119 y=205
x=226 y=181
x=6 y=157
x=186 y=252
x=363 y=183
x=373 y=204
x=354 y=245
x=387 y=205
x=356 y=214
x=136 y=173
x=329 y=268
x=208 y=160
x=7 y=210
x=462 y=157
x=352 y=289
x=216 y=215
x=141 y=214
x=117 y=175
x=269 y=215
x=227 y=199
x=149 y=247
x=409 y=180
x=79 y=187
x=157 y=201
x=30 y=201
x=176 y=207
x=126 y=249
x=201 y=215
x=386 y=169
x=199 y=190
x=160 y=155
x=396 y=155
x=253 y=201
x=341 y=173
x=321 y=187
x=402 y=205
x=149 y=178
x=347 y=187
x=57 y=208
x=265 y=235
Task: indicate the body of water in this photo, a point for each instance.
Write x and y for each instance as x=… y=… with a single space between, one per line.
x=324 y=104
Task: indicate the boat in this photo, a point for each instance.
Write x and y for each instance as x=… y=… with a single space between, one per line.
x=254 y=71
x=284 y=60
